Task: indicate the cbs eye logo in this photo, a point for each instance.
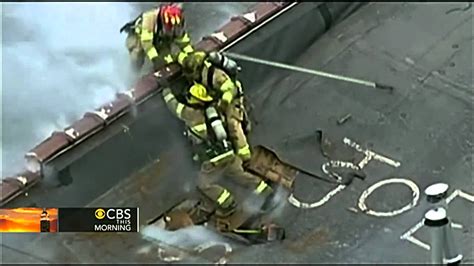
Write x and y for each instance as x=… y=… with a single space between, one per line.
x=113 y=214
x=99 y=214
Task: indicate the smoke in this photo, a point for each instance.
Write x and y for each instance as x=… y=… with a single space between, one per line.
x=60 y=60
x=209 y=16
x=186 y=238
x=199 y=238
x=185 y=244
x=180 y=243
x=203 y=18
x=280 y=201
x=63 y=59
x=253 y=204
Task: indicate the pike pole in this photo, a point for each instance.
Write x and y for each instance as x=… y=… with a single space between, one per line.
x=309 y=71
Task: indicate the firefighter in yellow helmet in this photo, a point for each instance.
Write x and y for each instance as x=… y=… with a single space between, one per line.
x=159 y=35
x=207 y=132
x=218 y=75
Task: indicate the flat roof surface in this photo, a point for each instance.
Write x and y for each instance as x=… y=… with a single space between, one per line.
x=424 y=127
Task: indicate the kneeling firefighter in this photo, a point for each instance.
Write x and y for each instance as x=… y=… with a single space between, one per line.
x=159 y=35
x=218 y=75
x=207 y=132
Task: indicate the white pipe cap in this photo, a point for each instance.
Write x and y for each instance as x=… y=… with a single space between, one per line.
x=437 y=214
x=436 y=189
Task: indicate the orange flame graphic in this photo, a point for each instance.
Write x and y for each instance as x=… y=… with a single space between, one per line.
x=27 y=220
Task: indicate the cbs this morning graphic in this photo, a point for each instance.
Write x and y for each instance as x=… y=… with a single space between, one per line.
x=31 y=220
x=116 y=220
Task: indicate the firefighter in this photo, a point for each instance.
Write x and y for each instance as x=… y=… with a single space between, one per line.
x=218 y=74
x=159 y=35
x=207 y=133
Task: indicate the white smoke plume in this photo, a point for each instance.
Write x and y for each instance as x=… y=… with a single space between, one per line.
x=220 y=12
x=60 y=60
x=63 y=59
x=183 y=244
x=185 y=238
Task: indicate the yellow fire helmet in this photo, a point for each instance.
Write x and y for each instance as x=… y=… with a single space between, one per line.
x=199 y=92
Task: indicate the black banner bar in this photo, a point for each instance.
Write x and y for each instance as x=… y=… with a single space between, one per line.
x=98 y=220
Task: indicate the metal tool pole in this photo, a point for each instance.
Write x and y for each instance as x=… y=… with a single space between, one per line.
x=436 y=195
x=436 y=219
x=452 y=256
x=309 y=71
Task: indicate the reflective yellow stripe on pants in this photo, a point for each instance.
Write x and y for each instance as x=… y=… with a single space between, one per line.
x=179 y=106
x=247 y=231
x=261 y=187
x=223 y=197
x=244 y=151
x=179 y=109
x=169 y=97
x=198 y=129
x=221 y=157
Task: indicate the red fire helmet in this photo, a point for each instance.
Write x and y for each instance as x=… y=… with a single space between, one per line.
x=171 y=19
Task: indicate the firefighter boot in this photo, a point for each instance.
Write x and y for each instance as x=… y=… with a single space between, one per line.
x=274 y=232
x=267 y=233
x=178 y=219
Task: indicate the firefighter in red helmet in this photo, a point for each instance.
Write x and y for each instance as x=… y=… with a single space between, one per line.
x=159 y=35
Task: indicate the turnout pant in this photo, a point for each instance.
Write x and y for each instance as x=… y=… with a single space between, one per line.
x=235 y=121
x=228 y=168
